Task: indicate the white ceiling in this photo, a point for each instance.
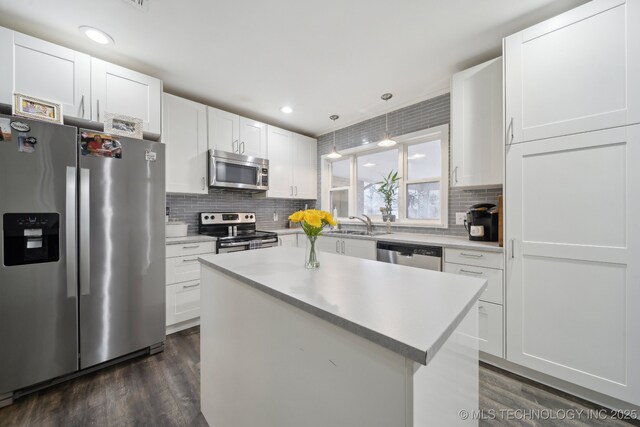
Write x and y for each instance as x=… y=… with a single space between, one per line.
x=320 y=57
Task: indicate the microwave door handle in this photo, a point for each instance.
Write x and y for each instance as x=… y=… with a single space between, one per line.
x=212 y=170
x=258 y=176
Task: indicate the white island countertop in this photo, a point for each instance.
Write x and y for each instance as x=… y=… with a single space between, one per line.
x=408 y=310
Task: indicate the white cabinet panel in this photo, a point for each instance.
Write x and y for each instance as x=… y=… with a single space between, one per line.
x=365 y=249
x=253 y=138
x=573 y=280
x=574 y=73
x=304 y=167
x=280 y=159
x=493 y=276
x=224 y=130
x=6 y=66
x=119 y=90
x=185 y=136
x=182 y=269
x=289 y=240
x=52 y=72
x=490 y=328
x=328 y=244
x=476 y=136
x=190 y=249
x=183 y=302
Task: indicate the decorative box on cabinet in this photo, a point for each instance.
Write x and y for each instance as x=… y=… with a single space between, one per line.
x=476 y=127
x=184 y=125
x=183 y=284
x=489 y=266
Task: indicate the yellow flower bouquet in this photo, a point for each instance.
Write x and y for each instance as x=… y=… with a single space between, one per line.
x=313 y=222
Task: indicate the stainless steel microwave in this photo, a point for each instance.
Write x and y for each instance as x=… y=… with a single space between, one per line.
x=230 y=170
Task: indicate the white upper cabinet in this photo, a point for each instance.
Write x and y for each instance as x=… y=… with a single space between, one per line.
x=234 y=134
x=253 y=138
x=48 y=71
x=118 y=90
x=292 y=165
x=280 y=158
x=184 y=124
x=574 y=73
x=476 y=137
x=224 y=130
x=304 y=167
x=6 y=66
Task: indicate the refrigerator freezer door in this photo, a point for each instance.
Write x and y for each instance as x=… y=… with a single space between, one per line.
x=122 y=251
x=38 y=303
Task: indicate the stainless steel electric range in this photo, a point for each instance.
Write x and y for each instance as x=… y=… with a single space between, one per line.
x=235 y=231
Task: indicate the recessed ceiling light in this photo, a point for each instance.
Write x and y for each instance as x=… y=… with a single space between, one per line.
x=97 y=35
x=369 y=165
x=286 y=109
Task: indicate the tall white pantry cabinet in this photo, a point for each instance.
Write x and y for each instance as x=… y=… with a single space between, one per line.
x=572 y=108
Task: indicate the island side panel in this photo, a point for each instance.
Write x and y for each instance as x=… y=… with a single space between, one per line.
x=267 y=363
x=449 y=383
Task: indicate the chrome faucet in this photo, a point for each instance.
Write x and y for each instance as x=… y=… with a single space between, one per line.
x=366 y=221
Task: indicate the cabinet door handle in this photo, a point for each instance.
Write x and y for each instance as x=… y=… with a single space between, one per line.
x=477 y=273
x=343 y=246
x=513 y=254
x=510 y=132
x=98 y=108
x=82 y=107
x=191 y=247
x=296 y=187
x=189 y=259
x=455 y=174
x=241 y=151
x=191 y=286
x=203 y=183
x=471 y=255
x=337 y=246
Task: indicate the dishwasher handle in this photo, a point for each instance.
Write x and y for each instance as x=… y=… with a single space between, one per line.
x=410 y=249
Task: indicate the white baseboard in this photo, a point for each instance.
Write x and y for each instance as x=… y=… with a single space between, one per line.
x=177 y=327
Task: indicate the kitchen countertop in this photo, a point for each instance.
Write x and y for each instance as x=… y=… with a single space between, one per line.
x=454 y=242
x=410 y=311
x=193 y=238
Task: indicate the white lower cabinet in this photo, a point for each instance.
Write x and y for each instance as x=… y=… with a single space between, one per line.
x=483 y=265
x=290 y=240
x=183 y=284
x=365 y=249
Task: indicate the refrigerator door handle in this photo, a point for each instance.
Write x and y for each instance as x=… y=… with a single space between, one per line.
x=85 y=257
x=70 y=227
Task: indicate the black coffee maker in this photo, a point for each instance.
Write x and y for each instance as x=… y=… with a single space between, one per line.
x=482 y=222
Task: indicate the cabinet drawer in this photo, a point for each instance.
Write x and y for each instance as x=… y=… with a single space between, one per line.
x=493 y=293
x=190 y=249
x=473 y=257
x=183 y=302
x=182 y=269
x=490 y=328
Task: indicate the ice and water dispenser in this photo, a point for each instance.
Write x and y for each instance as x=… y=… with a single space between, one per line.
x=31 y=238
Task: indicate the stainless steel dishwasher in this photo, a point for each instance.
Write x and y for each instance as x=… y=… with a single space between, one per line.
x=427 y=257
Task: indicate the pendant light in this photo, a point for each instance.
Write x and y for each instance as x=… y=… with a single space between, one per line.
x=334 y=154
x=386 y=141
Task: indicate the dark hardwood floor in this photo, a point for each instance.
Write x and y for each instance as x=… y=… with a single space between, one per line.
x=164 y=390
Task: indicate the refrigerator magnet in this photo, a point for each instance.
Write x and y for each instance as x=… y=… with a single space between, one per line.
x=5 y=130
x=26 y=144
x=150 y=156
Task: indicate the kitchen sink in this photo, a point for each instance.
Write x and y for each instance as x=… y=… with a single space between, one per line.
x=353 y=233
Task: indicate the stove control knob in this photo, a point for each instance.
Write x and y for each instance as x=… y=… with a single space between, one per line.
x=206 y=217
x=246 y=217
x=251 y=216
x=213 y=217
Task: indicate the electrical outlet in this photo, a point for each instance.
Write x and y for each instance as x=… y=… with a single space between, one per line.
x=275 y=215
x=460 y=217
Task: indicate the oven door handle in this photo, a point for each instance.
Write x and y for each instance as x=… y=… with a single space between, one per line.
x=233 y=244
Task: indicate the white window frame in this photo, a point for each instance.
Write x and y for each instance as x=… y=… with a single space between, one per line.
x=404 y=141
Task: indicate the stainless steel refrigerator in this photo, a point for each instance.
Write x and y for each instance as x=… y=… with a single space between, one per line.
x=82 y=277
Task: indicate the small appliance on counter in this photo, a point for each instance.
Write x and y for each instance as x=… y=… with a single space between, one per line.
x=235 y=231
x=482 y=222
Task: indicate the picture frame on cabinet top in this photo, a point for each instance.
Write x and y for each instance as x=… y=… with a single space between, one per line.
x=35 y=108
x=119 y=124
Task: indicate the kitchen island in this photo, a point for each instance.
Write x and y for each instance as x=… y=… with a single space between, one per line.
x=353 y=343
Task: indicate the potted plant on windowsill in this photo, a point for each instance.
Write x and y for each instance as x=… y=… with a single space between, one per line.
x=388 y=188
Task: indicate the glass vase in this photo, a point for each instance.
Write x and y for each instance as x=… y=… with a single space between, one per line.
x=311 y=257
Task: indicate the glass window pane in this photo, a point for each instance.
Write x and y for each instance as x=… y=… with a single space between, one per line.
x=423 y=200
x=340 y=202
x=372 y=168
x=340 y=173
x=423 y=160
